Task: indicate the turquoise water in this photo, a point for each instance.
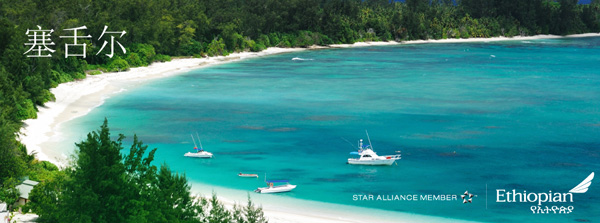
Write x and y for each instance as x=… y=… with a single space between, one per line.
x=519 y=115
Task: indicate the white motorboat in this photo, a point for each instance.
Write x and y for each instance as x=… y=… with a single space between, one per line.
x=271 y=188
x=200 y=153
x=366 y=156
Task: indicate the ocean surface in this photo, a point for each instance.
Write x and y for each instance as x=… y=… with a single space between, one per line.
x=474 y=117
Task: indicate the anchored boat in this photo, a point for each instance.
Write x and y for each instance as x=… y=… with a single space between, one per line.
x=366 y=156
x=272 y=188
x=200 y=153
x=248 y=175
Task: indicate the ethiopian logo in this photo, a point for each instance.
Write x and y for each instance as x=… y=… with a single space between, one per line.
x=545 y=202
x=467 y=197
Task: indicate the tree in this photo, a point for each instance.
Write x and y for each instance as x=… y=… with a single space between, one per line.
x=218 y=213
x=115 y=188
x=254 y=214
x=174 y=198
x=97 y=181
x=12 y=164
x=8 y=192
x=569 y=16
x=46 y=198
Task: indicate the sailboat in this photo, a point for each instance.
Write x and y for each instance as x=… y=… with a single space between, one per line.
x=200 y=153
x=368 y=157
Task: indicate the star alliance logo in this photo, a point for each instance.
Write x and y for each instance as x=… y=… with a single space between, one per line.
x=467 y=197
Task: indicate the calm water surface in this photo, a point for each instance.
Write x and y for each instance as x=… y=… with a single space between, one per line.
x=521 y=115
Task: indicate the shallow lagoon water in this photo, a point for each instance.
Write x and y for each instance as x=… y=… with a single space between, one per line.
x=521 y=115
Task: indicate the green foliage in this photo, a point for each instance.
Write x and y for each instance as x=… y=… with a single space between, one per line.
x=115 y=188
x=13 y=166
x=145 y=52
x=26 y=110
x=94 y=72
x=162 y=58
x=42 y=171
x=192 y=48
x=253 y=214
x=97 y=181
x=218 y=212
x=134 y=60
x=307 y=38
x=8 y=193
x=118 y=65
x=216 y=48
x=45 y=198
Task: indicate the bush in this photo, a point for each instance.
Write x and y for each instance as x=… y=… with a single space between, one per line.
x=118 y=65
x=161 y=58
x=258 y=47
x=59 y=77
x=216 y=47
x=249 y=45
x=193 y=48
x=94 y=72
x=26 y=110
x=264 y=40
x=78 y=75
x=48 y=96
x=145 y=52
x=134 y=60
x=305 y=39
x=325 y=40
x=274 y=39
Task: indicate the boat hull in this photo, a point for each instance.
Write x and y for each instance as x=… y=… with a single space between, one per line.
x=248 y=175
x=199 y=155
x=277 y=189
x=383 y=162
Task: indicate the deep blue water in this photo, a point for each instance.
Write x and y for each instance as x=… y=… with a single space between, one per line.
x=521 y=115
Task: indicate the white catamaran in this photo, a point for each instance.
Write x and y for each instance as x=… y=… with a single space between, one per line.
x=368 y=157
x=200 y=153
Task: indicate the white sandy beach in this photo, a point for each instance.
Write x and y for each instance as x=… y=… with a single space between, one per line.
x=78 y=98
x=281 y=209
x=469 y=40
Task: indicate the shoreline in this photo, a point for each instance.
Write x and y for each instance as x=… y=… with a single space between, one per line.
x=278 y=208
x=78 y=98
x=468 y=40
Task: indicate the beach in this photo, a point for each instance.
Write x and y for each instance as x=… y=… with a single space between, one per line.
x=280 y=209
x=76 y=99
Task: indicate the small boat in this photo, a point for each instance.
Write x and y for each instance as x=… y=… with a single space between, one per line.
x=200 y=153
x=368 y=157
x=275 y=189
x=247 y=175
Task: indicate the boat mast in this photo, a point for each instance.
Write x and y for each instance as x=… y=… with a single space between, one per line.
x=199 y=141
x=370 y=144
x=193 y=141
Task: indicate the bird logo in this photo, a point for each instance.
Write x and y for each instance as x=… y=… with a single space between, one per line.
x=584 y=185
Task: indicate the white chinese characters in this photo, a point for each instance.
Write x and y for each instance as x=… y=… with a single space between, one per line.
x=39 y=40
